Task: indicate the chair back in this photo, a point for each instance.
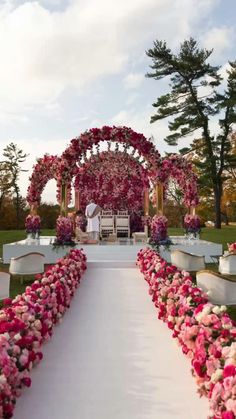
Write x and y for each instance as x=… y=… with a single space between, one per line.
x=122 y=212
x=4 y=285
x=106 y=212
x=28 y=264
x=187 y=261
x=227 y=264
x=220 y=290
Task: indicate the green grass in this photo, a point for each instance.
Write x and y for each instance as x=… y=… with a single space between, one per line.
x=227 y=234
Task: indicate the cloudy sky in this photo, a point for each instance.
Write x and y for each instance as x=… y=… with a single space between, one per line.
x=70 y=65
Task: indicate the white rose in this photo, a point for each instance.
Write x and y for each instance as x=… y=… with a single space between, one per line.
x=217 y=375
x=216 y=310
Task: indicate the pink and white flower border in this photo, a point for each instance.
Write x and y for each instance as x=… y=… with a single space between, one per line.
x=27 y=321
x=204 y=331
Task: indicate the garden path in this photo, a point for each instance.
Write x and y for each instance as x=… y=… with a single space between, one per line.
x=111 y=358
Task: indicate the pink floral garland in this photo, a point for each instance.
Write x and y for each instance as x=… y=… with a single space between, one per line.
x=28 y=321
x=204 y=331
x=180 y=169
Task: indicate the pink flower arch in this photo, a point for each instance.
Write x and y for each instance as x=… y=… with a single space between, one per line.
x=135 y=147
x=113 y=179
x=180 y=169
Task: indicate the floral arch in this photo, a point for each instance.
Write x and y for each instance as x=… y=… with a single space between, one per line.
x=139 y=156
x=120 y=188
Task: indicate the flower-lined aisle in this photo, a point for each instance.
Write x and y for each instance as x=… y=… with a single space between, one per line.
x=27 y=322
x=204 y=331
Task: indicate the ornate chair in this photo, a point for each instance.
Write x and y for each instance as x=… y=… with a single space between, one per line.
x=122 y=212
x=28 y=264
x=107 y=225
x=187 y=261
x=221 y=290
x=4 y=285
x=123 y=224
x=227 y=264
x=106 y=212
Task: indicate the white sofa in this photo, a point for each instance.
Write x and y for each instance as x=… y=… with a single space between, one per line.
x=187 y=261
x=227 y=264
x=221 y=290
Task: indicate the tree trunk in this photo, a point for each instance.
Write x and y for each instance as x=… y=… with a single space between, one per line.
x=217 y=195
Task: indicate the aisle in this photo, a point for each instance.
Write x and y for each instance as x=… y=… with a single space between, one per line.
x=112 y=359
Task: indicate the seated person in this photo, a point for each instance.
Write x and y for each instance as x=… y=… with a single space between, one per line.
x=80 y=223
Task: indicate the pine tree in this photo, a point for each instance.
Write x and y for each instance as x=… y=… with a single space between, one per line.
x=197 y=96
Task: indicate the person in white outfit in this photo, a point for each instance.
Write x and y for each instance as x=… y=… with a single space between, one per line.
x=92 y=211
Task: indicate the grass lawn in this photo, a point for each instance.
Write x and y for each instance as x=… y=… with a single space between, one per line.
x=226 y=235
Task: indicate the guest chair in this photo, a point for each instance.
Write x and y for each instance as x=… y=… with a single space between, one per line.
x=227 y=264
x=123 y=224
x=28 y=264
x=221 y=290
x=107 y=225
x=187 y=261
x=4 y=285
x=106 y=212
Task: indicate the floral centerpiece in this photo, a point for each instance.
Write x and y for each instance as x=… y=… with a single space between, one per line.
x=192 y=224
x=159 y=234
x=33 y=224
x=232 y=248
x=64 y=231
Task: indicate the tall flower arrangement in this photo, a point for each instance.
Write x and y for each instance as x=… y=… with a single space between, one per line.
x=159 y=232
x=192 y=224
x=232 y=248
x=32 y=223
x=64 y=231
x=204 y=331
x=27 y=321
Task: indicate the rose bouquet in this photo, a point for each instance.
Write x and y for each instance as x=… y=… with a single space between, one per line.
x=64 y=231
x=159 y=232
x=232 y=248
x=192 y=224
x=32 y=224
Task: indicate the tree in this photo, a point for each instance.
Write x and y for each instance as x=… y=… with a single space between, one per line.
x=196 y=97
x=5 y=183
x=14 y=157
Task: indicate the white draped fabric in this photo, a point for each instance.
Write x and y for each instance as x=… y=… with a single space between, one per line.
x=93 y=223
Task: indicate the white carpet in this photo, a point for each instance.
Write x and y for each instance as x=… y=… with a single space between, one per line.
x=111 y=358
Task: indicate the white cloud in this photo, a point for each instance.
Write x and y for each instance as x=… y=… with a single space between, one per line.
x=46 y=52
x=219 y=38
x=133 y=80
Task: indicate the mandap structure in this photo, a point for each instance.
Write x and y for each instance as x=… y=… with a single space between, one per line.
x=116 y=167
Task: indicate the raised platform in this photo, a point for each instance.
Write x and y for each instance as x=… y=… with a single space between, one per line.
x=112 y=254
x=123 y=252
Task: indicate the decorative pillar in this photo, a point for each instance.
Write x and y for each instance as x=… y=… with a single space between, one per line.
x=33 y=208
x=192 y=210
x=77 y=200
x=159 y=198
x=146 y=201
x=63 y=199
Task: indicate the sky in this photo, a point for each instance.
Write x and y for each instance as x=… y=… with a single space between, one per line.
x=70 y=65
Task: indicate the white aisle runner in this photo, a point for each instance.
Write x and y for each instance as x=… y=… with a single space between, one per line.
x=111 y=358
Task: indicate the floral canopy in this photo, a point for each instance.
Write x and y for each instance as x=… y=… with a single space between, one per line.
x=115 y=178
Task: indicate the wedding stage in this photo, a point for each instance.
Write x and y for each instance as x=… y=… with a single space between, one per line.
x=112 y=358
x=124 y=250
